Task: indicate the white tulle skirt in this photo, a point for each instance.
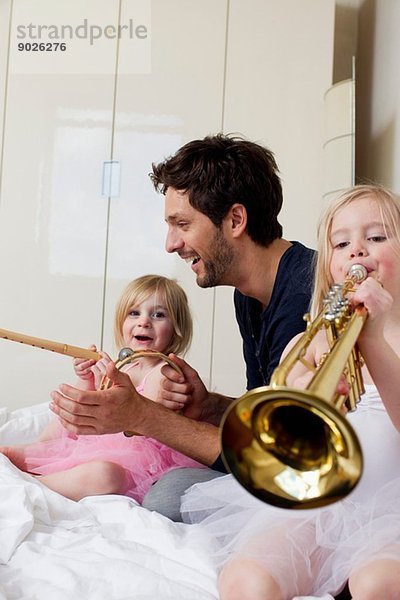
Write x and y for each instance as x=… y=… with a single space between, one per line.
x=311 y=551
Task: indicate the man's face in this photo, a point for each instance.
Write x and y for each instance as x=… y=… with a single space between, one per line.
x=197 y=240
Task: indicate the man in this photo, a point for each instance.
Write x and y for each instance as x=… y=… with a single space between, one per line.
x=222 y=199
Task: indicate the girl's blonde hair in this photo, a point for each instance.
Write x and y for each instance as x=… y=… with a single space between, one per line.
x=389 y=205
x=167 y=291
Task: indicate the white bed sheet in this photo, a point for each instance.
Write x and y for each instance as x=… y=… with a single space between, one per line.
x=101 y=548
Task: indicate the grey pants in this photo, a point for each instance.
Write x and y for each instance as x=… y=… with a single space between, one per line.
x=164 y=496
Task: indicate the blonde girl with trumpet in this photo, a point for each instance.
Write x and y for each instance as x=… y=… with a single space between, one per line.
x=269 y=553
x=152 y=314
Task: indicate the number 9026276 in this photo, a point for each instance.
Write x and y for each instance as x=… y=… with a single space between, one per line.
x=42 y=46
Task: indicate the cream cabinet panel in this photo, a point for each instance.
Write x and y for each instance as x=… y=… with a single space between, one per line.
x=156 y=113
x=5 y=13
x=279 y=66
x=53 y=218
x=259 y=68
x=228 y=367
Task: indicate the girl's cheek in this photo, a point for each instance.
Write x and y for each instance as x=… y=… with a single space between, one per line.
x=335 y=272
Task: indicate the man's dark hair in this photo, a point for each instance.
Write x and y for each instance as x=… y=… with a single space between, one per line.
x=221 y=170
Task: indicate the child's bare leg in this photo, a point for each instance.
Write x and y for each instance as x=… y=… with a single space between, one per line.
x=51 y=431
x=244 y=579
x=16 y=454
x=378 y=579
x=90 y=479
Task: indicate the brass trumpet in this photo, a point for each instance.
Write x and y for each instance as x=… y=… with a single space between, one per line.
x=293 y=448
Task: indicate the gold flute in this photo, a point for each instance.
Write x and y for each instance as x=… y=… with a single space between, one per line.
x=125 y=356
x=57 y=347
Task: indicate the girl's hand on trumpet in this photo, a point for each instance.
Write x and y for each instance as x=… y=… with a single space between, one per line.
x=378 y=301
x=342 y=389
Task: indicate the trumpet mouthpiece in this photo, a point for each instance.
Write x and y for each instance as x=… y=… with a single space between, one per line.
x=358 y=273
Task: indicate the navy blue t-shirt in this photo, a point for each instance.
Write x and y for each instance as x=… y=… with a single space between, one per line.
x=266 y=332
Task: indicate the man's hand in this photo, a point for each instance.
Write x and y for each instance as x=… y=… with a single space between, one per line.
x=97 y=412
x=186 y=392
x=99 y=369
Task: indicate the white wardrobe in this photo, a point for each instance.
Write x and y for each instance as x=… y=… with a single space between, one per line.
x=69 y=238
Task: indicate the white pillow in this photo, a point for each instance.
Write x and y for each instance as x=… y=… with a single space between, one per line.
x=23 y=425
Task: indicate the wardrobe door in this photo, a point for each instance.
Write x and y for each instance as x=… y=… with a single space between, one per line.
x=5 y=14
x=162 y=104
x=279 y=66
x=53 y=217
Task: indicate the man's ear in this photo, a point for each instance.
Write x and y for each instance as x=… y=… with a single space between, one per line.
x=237 y=219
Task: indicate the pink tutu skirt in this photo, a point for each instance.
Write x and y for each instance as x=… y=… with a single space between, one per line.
x=144 y=459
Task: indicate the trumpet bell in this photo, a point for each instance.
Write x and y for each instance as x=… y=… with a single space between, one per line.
x=290 y=448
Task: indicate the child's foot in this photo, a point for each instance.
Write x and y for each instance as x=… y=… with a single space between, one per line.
x=15 y=454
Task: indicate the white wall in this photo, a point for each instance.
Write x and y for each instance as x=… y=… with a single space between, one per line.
x=378 y=93
x=259 y=68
